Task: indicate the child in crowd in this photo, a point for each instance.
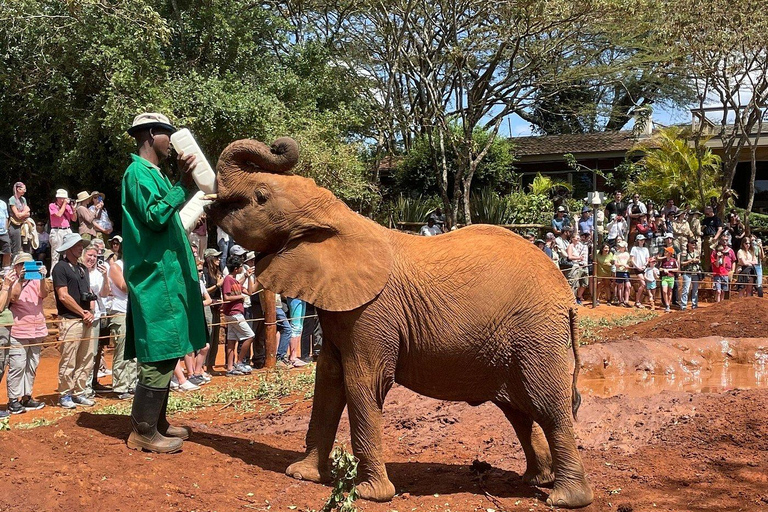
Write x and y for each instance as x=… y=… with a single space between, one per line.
x=621 y=261
x=669 y=268
x=651 y=275
x=234 y=316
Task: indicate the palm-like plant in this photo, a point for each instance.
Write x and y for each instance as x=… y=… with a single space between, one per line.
x=673 y=169
x=543 y=185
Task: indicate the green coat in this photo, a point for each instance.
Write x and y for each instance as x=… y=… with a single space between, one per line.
x=165 y=307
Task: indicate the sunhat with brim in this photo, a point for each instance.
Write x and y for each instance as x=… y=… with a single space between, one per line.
x=539 y=241
x=116 y=237
x=22 y=257
x=211 y=252
x=640 y=237
x=149 y=120
x=62 y=194
x=669 y=235
x=70 y=240
x=622 y=244
x=250 y=256
x=84 y=196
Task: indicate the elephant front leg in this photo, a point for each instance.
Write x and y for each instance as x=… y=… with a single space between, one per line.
x=327 y=406
x=365 y=403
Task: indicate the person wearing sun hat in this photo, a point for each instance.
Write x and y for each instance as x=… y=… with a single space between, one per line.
x=165 y=317
x=62 y=214
x=74 y=305
x=84 y=215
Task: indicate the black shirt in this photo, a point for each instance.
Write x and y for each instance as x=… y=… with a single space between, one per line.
x=613 y=207
x=75 y=278
x=709 y=225
x=211 y=281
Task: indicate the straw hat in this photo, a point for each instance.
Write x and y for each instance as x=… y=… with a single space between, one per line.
x=22 y=257
x=84 y=196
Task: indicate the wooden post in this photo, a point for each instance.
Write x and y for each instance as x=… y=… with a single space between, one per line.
x=270 y=329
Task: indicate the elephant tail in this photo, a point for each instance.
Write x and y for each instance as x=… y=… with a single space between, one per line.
x=575 y=396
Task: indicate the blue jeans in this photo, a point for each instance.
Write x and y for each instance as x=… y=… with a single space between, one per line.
x=759 y=284
x=690 y=283
x=224 y=246
x=284 y=328
x=296 y=312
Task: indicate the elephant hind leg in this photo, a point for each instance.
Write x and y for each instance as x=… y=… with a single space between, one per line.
x=327 y=406
x=535 y=446
x=571 y=489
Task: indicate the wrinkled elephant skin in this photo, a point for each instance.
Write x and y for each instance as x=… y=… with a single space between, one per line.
x=474 y=315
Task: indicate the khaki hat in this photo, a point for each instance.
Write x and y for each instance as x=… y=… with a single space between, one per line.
x=62 y=194
x=22 y=257
x=211 y=252
x=84 y=196
x=149 y=120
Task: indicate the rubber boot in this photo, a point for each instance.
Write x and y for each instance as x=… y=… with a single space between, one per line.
x=148 y=403
x=166 y=428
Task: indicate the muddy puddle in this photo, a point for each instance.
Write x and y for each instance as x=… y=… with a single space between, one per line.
x=647 y=367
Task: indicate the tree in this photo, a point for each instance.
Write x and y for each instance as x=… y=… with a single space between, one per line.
x=672 y=168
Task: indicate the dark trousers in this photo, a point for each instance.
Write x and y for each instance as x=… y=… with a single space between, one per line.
x=157 y=374
x=213 y=351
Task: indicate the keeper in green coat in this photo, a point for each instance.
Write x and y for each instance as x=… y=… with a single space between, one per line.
x=165 y=319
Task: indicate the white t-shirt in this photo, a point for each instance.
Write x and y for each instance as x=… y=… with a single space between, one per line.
x=651 y=274
x=97 y=283
x=119 y=297
x=640 y=256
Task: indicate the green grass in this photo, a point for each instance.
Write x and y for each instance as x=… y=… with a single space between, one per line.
x=591 y=329
x=37 y=422
x=242 y=394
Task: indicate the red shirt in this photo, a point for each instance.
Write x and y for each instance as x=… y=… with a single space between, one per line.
x=232 y=286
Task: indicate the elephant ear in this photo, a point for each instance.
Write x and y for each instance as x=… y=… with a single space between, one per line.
x=335 y=268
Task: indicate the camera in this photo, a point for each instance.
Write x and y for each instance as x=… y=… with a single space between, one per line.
x=88 y=297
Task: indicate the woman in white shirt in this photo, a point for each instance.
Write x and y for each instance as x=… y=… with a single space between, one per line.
x=97 y=274
x=124 y=371
x=747 y=261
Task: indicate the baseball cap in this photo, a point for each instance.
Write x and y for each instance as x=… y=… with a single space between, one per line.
x=561 y=208
x=668 y=235
x=640 y=237
x=586 y=209
x=237 y=250
x=211 y=252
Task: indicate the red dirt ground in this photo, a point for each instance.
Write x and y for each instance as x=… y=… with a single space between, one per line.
x=672 y=450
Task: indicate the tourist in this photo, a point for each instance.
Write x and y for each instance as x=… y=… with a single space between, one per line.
x=604 y=271
x=711 y=228
x=635 y=209
x=560 y=221
x=199 y=234
x=6 y=323
x=61 y=216
x=651 y=276
x=577 y=253
x=690 y=268
x=616 y=207
x=213 y=280
x=670 y=210
x=721 y=263
x=125 y=372
x=19 y=212
x=27 y=333
x=74 y=303
x=430 y=228
x=735 y=230
x=616 y=228
x=234 y=316
x=43 y=242
x=586 y=222
x=621 y=262
x=296 y=308
x=747 y=260
x=561 y=243
x=85 y=216
x=669 y=268
x=101 y=221
x=638 y=262
x=5 y=239
x=757 y=248
x=681 y=230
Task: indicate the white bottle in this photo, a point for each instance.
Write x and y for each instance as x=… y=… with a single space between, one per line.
x=183 y=142
x=192 y=210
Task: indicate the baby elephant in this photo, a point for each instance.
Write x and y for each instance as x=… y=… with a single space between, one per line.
x=474 y=315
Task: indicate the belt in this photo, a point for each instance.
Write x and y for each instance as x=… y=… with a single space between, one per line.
x=60 y=228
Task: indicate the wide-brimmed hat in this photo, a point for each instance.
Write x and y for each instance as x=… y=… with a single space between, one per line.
x=84 y=196
x=70 y=240
x=22 y=257
x=669 y=235
x=211 y=252
x=640 y=237
x=237 y=250
x=250 y=256
x=622 y=244
x=149 y=120
x=62 y=194
x=695 y=212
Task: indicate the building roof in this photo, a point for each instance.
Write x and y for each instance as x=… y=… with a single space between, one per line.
x=580 y=143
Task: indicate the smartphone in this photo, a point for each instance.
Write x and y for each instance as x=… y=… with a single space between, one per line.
x=100 y=258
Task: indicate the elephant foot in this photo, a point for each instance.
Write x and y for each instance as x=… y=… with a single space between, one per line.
x=570 y=494
x=539 y=477
x=376 y=490
x=307 y=469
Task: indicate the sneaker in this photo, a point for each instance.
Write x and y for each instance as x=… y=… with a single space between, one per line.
x=174 y=384
x=243 y=368
x=83 y=400
x=298 y=363
x=206 y=376
x=667 y=310
x=125 y=396
x=197 y=380
x=578 y=301
x=31 y=404
x=234 y=372
x=281 y=363
x=4 y=414
x=188 y=386
x=15 y=407
x=66 y=402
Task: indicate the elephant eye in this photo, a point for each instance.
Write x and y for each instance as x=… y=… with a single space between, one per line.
x=261 y=196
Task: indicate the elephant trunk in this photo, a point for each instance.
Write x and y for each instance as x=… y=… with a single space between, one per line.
x=278 y=159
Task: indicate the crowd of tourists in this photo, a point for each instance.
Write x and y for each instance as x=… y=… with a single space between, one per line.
x=76 y=241
x=643 y=248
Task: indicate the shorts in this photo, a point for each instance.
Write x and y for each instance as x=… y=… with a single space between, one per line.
x=5 y=244
x=622 y=277
x=651 y=285
x=579 y=277
x=720 y=283
x=239 y=329
x=668 y=281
